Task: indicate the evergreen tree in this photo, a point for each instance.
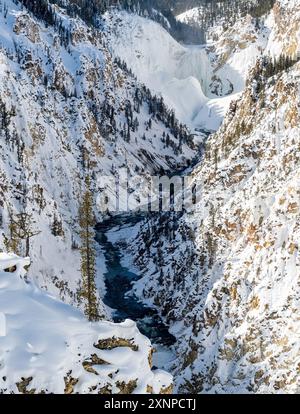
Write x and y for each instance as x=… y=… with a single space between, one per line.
x=57 y=227
x=87 y=250
x=12 y=243
x=20 y=229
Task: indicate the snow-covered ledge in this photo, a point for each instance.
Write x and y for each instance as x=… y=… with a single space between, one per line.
x=48 y=346
x=10 y=261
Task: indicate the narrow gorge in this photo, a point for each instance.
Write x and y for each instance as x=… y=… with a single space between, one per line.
x=104 y=98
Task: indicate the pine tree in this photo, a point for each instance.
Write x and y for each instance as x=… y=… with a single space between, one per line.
x=57 y=227
x=20 y=229
x=13 y=243
x=87 y=250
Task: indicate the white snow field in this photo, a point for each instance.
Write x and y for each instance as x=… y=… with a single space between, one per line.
x=47 y=343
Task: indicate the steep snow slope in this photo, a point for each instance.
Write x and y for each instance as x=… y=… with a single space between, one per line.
x=68 y=110
x=150 y=49
x=47 y=346
x=198 y=82
x=228 y=281
x=182 y=75
x=191 y=16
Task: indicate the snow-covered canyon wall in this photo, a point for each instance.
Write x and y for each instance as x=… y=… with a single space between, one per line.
x=199 y=82
x=229 y=284
x=228 y=281
x=67 y=109
x=179 y=74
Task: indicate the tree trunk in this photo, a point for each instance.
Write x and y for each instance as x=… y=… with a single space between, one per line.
x=27 y=246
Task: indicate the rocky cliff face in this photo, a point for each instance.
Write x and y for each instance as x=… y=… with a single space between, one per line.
x=229 y=280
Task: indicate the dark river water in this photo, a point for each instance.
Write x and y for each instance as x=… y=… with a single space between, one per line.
x=118 y=280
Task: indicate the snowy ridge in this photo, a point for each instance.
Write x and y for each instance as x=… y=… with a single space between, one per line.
x=47 y=346
x=191 y=16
